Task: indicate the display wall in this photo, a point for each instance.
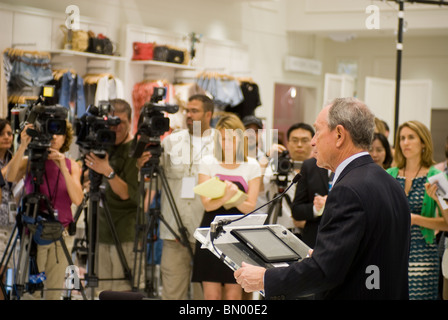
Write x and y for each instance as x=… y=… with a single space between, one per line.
x=267 y=32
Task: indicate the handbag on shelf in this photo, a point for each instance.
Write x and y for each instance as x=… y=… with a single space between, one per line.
x=160 y=53
x=77 y=40
x=170 y=54
x=143 y=51
x=100 y=44
x=176 y=55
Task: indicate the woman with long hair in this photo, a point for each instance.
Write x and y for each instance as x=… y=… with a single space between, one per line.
x=414 y=164
x=230 y=164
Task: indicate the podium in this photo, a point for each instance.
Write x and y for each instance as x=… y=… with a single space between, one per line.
x=249 y=240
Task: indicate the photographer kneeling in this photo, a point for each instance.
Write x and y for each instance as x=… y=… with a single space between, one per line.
x=283 y=168
x=61 y=184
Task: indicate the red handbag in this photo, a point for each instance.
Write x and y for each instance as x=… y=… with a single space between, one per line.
x=143 y=51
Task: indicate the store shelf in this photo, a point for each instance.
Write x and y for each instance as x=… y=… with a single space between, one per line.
x=86 y=55
x=163 y=64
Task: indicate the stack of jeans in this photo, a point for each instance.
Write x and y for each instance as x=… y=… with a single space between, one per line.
x=29 y=70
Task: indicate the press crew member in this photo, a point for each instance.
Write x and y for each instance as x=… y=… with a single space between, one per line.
x=298 y=145
x=182 y=153
x=121 y=176
x=61 y=184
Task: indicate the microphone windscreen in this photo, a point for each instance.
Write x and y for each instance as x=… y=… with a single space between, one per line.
x=296 y=178
x=34 y=112
x=120 y=295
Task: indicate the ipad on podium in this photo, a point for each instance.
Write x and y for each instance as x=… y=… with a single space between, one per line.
x=250 y=240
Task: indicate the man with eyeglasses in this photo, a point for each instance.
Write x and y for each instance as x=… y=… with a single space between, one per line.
x=183 y=150
x=298 y=145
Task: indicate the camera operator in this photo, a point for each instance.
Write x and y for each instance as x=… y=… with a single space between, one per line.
x=121 y=177
x=182 y=152
x=61 y=184
x=298 y=149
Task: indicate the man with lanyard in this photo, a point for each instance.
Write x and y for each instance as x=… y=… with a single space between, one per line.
x=182 y=152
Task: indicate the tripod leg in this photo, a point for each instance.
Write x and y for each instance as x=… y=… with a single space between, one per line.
x=277 y=211
x=25 y=248
x=182 y=230
x=273 y=208
x=140 y=234
x=10 y=247
x=92 y=276
x=126 y=270
x=70 y=263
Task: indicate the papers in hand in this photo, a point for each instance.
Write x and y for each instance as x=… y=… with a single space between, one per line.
x=214 y=188
x=441 y=181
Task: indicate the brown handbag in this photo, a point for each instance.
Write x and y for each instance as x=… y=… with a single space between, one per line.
x=77 y=40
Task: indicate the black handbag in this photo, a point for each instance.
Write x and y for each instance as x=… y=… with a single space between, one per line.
x=168 y=54
x=161 y=53
x=100 y=45
x=176 y=56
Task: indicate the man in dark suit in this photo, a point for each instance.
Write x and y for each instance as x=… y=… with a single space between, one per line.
x=362 y=245
x=309 y=199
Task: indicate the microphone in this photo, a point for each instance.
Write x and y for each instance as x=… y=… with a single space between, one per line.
x=35 y=111
x=217 y=227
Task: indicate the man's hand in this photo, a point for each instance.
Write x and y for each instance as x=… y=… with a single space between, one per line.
x=97 y=164
x=250 y=278
x=146 y=155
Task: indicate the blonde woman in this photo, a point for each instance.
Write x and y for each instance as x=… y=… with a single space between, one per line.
x=231 y=165
x=414 y=164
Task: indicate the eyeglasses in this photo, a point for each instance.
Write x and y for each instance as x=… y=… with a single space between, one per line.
x=192 y=111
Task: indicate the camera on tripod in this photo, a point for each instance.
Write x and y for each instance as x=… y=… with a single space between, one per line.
x=152 y=124
x=93 y=129
x=282 y=166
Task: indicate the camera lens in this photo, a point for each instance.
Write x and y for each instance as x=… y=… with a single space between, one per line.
x=55 y=126
x=105 y=137
x=284 y=165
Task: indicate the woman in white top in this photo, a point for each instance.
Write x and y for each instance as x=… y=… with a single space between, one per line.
x=231 y=165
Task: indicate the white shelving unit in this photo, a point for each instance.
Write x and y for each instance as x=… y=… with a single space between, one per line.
x=72 y=53
x=162 y=64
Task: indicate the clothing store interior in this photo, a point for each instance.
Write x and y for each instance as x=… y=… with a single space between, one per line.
x=108 y=108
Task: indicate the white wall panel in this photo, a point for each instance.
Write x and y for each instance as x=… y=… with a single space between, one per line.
x=32 y=29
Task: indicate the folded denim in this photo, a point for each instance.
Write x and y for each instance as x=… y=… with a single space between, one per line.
x=30 y=72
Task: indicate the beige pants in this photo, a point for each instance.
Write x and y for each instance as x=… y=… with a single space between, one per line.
x=52 y=259
x=176 y=267
x=110 y=267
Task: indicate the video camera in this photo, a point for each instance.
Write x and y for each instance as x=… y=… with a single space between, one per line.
x=152 y=124
x=93 y=129
x=283 y=165
x=47 y=120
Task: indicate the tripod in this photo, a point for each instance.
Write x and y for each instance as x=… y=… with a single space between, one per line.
x=6 y=257
x=147 y=223
x=95 y=196
x=26 y=221
x=275 y=208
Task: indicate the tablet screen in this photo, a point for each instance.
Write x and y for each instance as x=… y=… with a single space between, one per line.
x=268 y=245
